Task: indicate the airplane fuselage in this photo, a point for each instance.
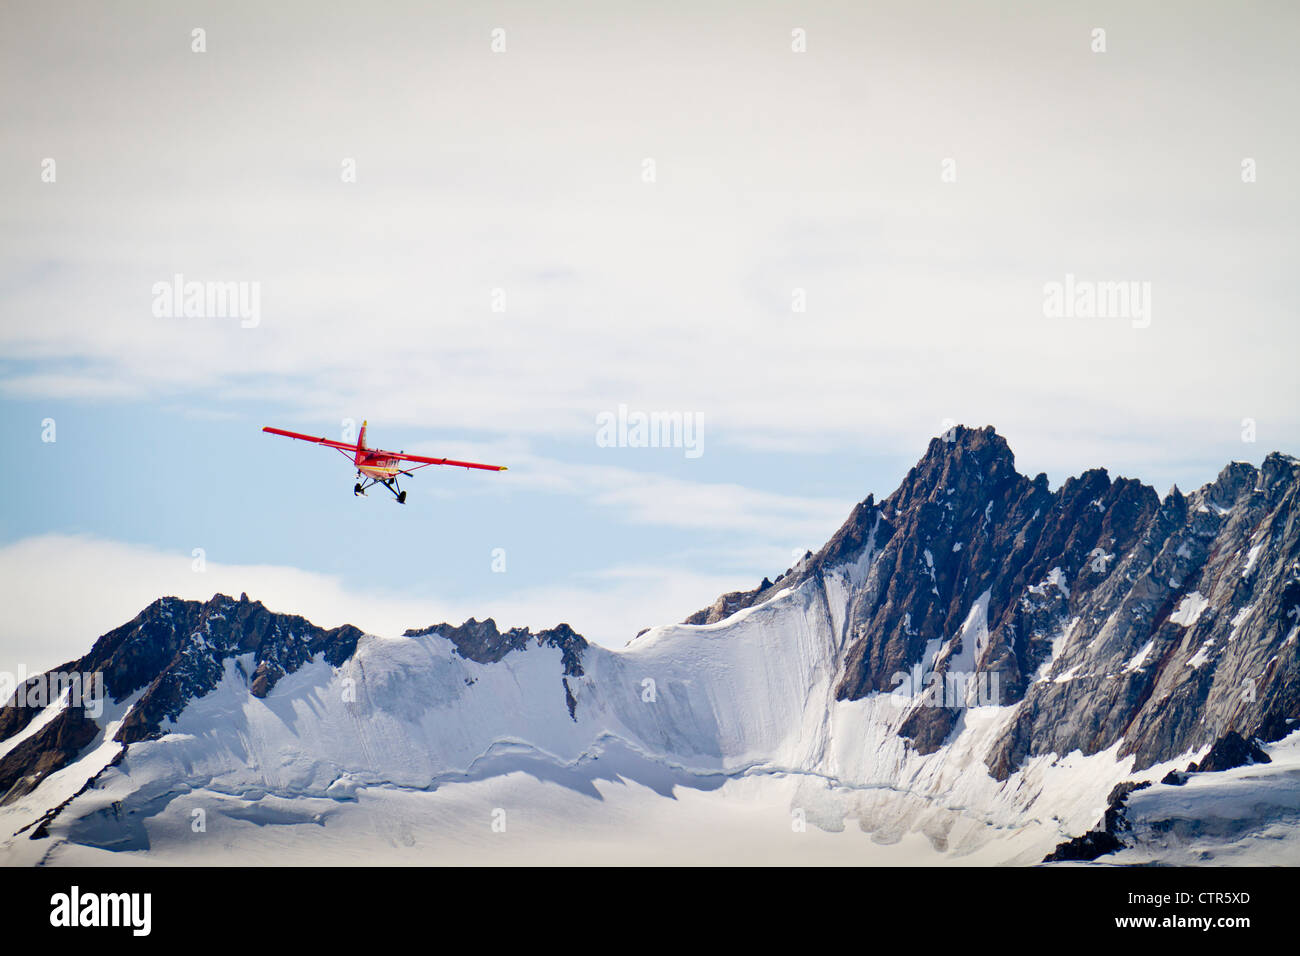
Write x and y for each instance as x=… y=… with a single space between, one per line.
x=377 y=464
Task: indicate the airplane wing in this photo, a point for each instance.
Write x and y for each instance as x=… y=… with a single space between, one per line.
x=328 y=443
x=425 y=462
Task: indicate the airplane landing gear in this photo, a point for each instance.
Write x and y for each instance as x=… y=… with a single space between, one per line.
x=398 y=493
x=390 y=483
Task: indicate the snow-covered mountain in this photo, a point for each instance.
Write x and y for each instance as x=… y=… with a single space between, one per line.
x=967 y=672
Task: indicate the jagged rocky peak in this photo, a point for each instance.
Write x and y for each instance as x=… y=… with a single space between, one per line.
x=483 y=643
x=966 y=481
x=963 y=461
x=171 y=653
x=1106 y=613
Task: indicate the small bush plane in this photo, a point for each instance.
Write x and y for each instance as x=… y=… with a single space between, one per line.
x=376 y=467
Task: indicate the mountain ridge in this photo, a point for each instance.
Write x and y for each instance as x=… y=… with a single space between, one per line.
x=1108 y=619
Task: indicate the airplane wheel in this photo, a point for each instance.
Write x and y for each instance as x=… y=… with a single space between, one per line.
x=401 y=498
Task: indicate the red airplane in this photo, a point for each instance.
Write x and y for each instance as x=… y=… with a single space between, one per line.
x=376 y=467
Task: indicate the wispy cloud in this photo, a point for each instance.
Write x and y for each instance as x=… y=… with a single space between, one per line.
x=644 y=497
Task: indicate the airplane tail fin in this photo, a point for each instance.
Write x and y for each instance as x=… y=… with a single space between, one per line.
x=361 y=441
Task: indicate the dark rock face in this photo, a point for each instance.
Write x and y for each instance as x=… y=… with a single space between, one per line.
x=481 y=642
x=209 y=634
x=51 y=748
x=728 y=604
x=1229 y=751
x=1179 y=636
x=1111 y=614
x=964 y=523
x=175 y=651
x=14 y=717
x=1106 y=837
